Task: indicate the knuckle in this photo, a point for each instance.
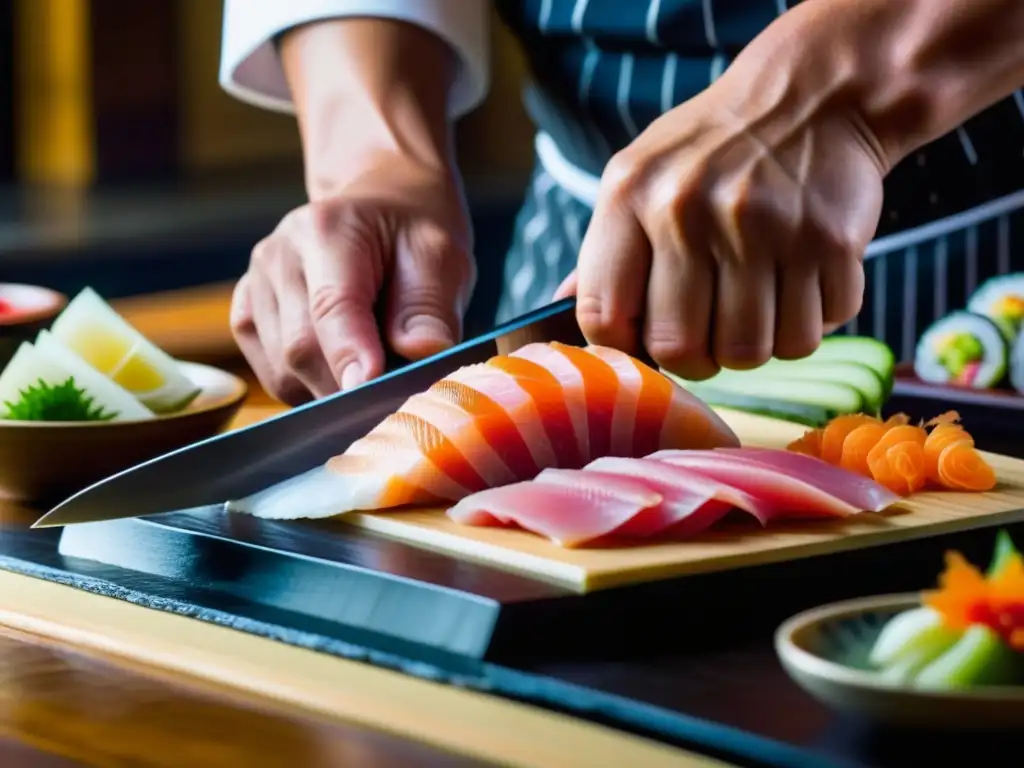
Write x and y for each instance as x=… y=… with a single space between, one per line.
x=264 y=252
x=744 y=357
x=331 y=300
x=302 y=350
x=622 y=177
x=241 y=319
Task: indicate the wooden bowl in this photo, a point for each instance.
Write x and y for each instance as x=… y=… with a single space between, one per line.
x=825 y=651
x=47 y=462
x=36 y=307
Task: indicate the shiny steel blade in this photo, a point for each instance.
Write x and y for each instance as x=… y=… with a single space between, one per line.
x=240 y=463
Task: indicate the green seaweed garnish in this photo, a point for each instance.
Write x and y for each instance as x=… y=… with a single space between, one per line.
x=63 y=402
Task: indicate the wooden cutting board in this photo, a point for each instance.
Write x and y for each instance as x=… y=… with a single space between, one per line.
x=726 y=546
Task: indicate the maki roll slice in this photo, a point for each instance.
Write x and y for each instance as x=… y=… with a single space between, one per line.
x=1001 y=300
x=963 y=349
x=1017 y=364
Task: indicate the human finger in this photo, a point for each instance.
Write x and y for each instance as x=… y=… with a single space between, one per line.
x=798 y=322
x=273 y=375
x=430 y=285
x=745 y=304
x=611 y=282
x=680 y=302
x=300 y=350
x=343 y=267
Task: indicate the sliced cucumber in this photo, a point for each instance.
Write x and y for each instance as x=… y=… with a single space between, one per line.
x=809 y=402
x=799 y=413
x=979 y=657
x=857 y=375
x=963 y=348
x=1005 y=549
x=918 y=635
x=869 y=352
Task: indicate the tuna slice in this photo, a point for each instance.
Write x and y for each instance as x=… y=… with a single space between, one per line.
x=691 y=502
x=801 y=485
x=569 y=506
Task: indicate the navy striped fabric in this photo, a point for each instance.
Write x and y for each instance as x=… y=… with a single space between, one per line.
x=604 y=69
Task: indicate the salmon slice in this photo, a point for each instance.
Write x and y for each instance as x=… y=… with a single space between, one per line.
x=548 y=396
x=393 y=466
x=506 y=416
x=477 y=464
x=569 y=507
x=627 y=421
x=691 y=502
x=801 y=485
x=571 y=380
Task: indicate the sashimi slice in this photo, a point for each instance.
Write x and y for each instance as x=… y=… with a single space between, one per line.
x=860 y=493
x=548 y=396
x=573 y=389
x=626 y=420
x=691 y=503
x=943 y=435
x=499 y=401
x=666 y=415
x=569 y=507
x=802 y=485
x=387 y=468
x=878 y=456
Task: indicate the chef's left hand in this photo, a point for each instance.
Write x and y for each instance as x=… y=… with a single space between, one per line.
x=733 y=228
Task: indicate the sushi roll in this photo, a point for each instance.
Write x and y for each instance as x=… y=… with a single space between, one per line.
x=1001 y=300
x=964 y=349
x=1017 y=364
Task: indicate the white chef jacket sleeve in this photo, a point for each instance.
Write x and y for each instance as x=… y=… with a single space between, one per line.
x=250 y=68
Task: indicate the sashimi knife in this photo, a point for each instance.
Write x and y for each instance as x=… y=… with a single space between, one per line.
x=239 y=463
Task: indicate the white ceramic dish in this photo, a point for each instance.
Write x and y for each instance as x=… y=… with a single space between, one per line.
x=825 y=651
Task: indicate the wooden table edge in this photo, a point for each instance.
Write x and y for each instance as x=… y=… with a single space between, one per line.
x=457 y=720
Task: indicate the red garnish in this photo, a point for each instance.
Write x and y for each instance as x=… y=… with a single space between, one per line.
x=965 y=597
x=6 y=308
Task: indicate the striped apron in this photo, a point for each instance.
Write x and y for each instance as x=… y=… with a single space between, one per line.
x=602 y=70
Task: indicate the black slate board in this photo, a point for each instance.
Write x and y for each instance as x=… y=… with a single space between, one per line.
x=182 y=563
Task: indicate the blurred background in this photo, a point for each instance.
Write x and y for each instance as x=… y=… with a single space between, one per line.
x=124 y=166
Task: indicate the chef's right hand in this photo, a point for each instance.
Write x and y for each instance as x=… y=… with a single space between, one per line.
x=305 y=314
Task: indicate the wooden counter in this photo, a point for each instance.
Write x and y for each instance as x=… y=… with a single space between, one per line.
x=89 y=680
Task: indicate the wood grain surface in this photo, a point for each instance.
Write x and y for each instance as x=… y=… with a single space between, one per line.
x=262 y=672
x=726 y=545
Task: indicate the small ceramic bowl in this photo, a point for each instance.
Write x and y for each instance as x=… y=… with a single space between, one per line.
x=825 y=651
x=34 y=308
x=47 y=462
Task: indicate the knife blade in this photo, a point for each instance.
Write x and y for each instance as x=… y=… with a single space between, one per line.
x=239 y=463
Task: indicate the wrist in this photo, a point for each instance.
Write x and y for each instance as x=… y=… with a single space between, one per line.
x=907 y=72
x=366 y=89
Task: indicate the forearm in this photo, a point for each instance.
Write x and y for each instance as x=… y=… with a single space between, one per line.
x=912 y=70
x=362 y=87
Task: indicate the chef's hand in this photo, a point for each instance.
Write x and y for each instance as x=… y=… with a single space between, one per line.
x=382 y=252
x=733 y=229
x=305 y=313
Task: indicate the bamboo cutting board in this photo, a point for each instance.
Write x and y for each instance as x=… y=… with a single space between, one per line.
x=726 y=546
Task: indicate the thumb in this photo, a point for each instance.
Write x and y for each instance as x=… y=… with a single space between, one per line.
x=431 y=281
x=567 y=288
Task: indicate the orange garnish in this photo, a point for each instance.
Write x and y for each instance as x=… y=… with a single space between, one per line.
x=903 y=457
x=966 y=597
x=808 y=444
